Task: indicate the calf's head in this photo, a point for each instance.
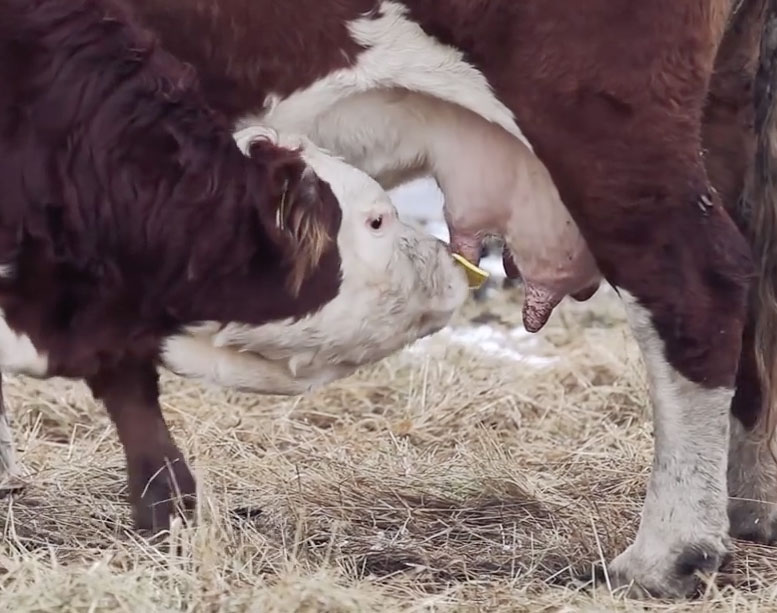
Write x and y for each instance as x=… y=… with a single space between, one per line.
x=397 y=285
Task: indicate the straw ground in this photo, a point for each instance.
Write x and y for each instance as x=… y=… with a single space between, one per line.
x=472 y=472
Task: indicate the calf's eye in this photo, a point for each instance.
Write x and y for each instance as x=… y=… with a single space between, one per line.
x=376 y=223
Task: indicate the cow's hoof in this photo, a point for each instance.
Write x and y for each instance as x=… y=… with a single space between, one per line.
x=752 y=520
x=643 y=575
x=161 y=492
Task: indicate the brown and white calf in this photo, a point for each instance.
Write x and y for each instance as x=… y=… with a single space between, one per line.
x=136 y=229
x=655 y=123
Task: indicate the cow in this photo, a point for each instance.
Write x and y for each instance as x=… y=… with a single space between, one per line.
x=137 y=231
x=655 y=123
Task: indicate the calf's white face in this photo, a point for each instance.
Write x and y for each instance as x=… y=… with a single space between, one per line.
x=398 y=285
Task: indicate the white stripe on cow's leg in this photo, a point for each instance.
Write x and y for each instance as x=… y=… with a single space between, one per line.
x=10 y=480
x=684 y=522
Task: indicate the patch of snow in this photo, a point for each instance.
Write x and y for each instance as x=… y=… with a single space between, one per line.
x=516 y=345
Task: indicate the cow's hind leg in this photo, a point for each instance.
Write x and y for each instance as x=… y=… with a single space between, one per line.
x=752 y=469
x=684 y=525
x=623 y=146
x=683 y=270
x=160 y=483
x=741 y=162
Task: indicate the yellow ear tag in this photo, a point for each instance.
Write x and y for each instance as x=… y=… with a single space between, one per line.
x=475 y=275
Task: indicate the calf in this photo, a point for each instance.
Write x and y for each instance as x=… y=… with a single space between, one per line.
x=655 y=123
x=135 y=231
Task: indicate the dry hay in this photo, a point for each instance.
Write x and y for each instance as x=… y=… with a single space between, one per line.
x=443 y=479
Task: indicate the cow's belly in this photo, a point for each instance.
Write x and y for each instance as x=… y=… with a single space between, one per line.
x=197 y=357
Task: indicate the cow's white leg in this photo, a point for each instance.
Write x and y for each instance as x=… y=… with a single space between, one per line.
x=684 y=523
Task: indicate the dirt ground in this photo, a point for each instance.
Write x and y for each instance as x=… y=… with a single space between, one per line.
x=472 y=472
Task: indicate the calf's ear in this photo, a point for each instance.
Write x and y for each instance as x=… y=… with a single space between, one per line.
x=300 y=213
